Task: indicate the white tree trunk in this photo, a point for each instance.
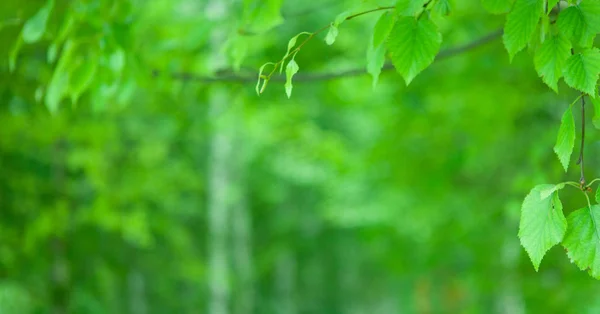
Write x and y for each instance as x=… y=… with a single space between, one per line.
x=219 y=185
x=137 y=292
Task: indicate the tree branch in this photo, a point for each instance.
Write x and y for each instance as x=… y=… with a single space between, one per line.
x=311 y=77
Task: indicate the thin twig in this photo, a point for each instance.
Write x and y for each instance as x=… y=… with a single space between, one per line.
x=312 y=77
x=294 y=51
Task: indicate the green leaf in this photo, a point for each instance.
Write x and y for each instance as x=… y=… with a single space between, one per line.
x=262 y=78
x=35 y=27
x=597 y=196
x=14 y=53
x=497 y=6
x=333 y=28
x=596 y=118
x=550 y=59
x=409 y=7
x=291 y=44
x=565 y=141
x=582 y=240
x=413 y=45
x=331 y=34
x=375 y=61
x=383 y=27
x=442 y=7
x=552 y=4
x=581 y=23
x=60 y=78
x=340 y=18
x=520 y=24
x=591 y=14
x=546 y=192
x=290 y=70
x=582 y=69
x=82 y=76
x=542 y=224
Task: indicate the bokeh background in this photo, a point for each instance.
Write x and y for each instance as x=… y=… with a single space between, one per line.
x=140 y=173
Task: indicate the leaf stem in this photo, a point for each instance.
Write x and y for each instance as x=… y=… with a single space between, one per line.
x=574 y=184
x=592 y=182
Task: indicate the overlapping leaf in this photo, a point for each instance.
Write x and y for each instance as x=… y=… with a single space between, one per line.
x=542 y=224
x=550 y=59
x=565 y=141
x=582 y=69
x=582 y=240
x=520 y=24
x=413 y=45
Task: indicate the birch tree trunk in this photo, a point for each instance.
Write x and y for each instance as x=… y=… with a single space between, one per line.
x=137 y=292
x=219 y=185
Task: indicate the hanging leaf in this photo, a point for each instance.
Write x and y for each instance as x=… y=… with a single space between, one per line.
x=565 y=141
x=262 y=78
x=375 y=61
x=550 y=59
x=331 y=34
x=542 y=224
x=546 y=192
x=520 y=24
x=383 y=27
x=14 y=53
x=35 y=27
x=442 y=7
x=582 y=69
x=596 y=118
x=582 y=240
x=292 y=44
x=290 y=70
x=82 y=76
x=413 y=45
x=59 y=82
x=580 y=23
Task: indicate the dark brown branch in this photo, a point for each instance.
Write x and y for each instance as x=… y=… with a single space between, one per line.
x=580 y=160
x=310 y=77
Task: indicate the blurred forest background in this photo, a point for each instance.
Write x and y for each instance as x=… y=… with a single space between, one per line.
x=140 y=173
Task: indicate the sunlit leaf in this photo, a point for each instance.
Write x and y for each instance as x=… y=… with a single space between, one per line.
x=582 y=70
x=520 y=24
x=542 y=224
x=413 y=45
x=383 y=27
x=550 y=59
x=35 y=27
x=582 y=240
x=290 y=70
x=565 y=140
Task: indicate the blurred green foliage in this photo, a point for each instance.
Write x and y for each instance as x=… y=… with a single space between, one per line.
x=129 y=186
